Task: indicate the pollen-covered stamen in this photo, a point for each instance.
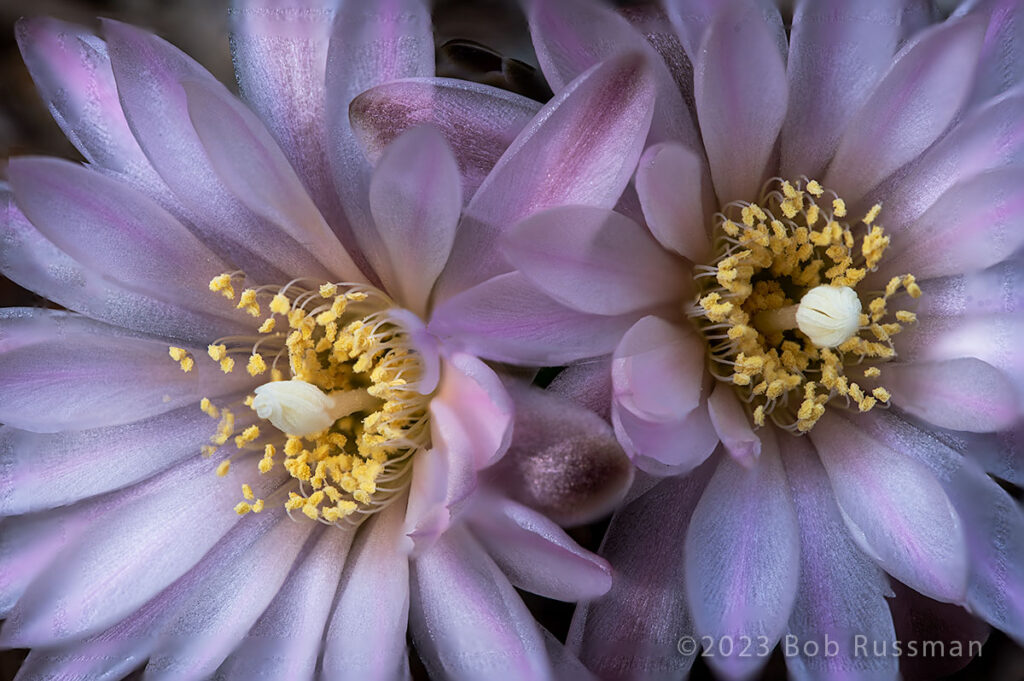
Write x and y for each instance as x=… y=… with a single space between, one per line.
x=343 y=411
x=780 y=309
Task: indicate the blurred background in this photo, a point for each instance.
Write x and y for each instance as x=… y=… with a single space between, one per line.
x=483 y=40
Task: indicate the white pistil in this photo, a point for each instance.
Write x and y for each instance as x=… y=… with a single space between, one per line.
x=299 y=408
x=829 y=315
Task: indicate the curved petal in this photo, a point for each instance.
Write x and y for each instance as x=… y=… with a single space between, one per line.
x=416 y=199
x=478 y=121
x=977 y=223
x=631 y=632
x=508 y=319
x=658 y=370
x=841 y=593
x=588 y=384
x=672 y=187
x=733 y=425
x=570 y=36
x=369 y=45
x=47 y=470
x=961 y=394
x=536 y=554
x=993 y=520
x=838 y=50
x=166 y=534
x=911 y=106
x=284 y=643
x=376 y=581
x=563 y=461
x=36 y=263
x=895 y=510
x=1001 y=64
x=139 y=245
x=280 y=56
x=594 y=260
x=581 y=148
x=741 y=92
x=666 y=447
x=217 y=614
x=987 y=138
x=116 y=651
x=149 y=74
x=475 y=394
x=65 y=372
x=251 y=165
x=467 y=620
x=742 y=557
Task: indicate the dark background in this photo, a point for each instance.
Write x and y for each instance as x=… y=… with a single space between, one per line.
x=199 y=27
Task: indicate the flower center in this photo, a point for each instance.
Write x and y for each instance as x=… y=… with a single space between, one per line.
x=351 y=414
x=781 y=310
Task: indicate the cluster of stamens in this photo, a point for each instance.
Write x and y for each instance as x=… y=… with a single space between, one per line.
x=780 y=310
x=342 y=395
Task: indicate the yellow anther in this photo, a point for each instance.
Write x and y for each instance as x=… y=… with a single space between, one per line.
x=223 y=468
x=217 y=352
x=328 y=290
x=279 y=304
x=247 y=492
x=759 y=415
x=268 y=325
x=222 y=283
x=839 y=208
x=872 y=214
x=208 y=408
x=177 y=354
x=227 y=364
x=258 y=506
x=241 y=508
x=872 y=372
x=247 y=301
x=906 y=317
x=815 y=189
x=256 y=365
x=186 y=364
x=881 y=394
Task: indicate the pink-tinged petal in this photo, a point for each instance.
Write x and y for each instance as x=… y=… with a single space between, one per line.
x=911 y=106
x=692 y=19
x=631 y=632
x=45 y=470
x=563 y=461
x=416 y=199
x=743 y=587
x=474 y=393
x=71 y=68
x=741 y=91
x=375 y=584
x=113 y=229
x=36 y=263
x=960 y=394
x=116 y=651
x=588 y=384
x=467 y=620
x=839 y=49
x=732 y=424
x=478 y=121
x=280 y=55
x=988 y=138
x=1000 y=454
x=284 y=643
x=571 y=36
x=993 y=520
x=507 y=319
x=149 y=73
x=658 y=370
x=582 y=148
x=251 y=165
x=370 y=44
x=895 y=510
x=841 y=593
x=535 y=553
x=595 y=260
x=218 y=614
x=977 y=223
x=674 y=192
x=666 y=447
x=165 y=534
x=65 y=372
x=437 y=477
x=1001 y=65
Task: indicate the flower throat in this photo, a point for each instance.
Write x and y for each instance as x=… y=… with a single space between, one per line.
x=343 y=396
x=780 y=309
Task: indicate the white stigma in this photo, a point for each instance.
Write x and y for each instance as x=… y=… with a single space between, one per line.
x=829 y=315
x=299 y=408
